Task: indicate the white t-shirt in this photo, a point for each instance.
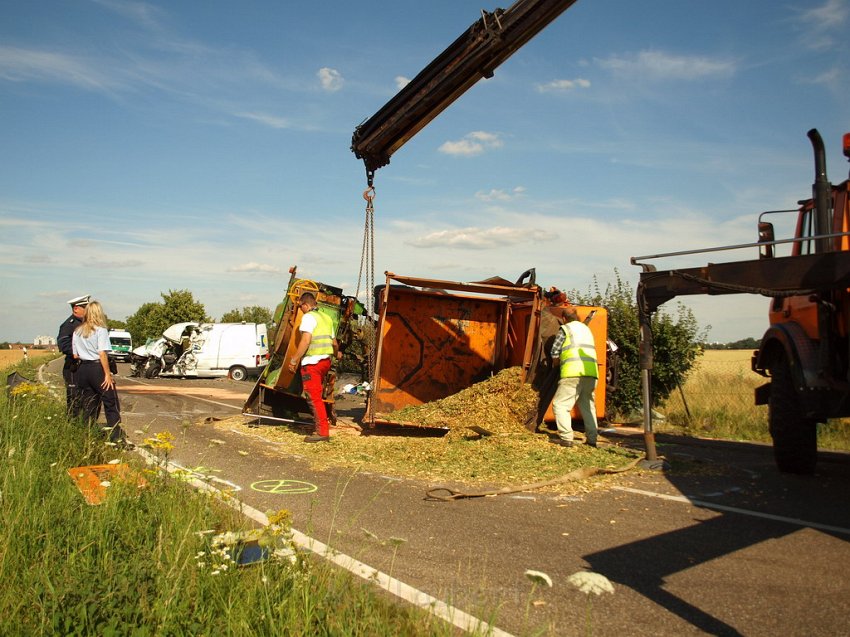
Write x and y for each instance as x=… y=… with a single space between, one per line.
x=308 y=325
x=89 y=348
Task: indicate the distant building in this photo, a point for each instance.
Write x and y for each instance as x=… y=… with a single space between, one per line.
x=44 y=341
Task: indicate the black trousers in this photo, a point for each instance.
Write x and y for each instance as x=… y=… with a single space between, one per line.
x=71 y=400
x=91 y=396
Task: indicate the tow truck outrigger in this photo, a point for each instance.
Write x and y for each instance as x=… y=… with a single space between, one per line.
x=806 y=350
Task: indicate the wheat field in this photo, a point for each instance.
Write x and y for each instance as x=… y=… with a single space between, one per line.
x=9 y=357
x=717 y=400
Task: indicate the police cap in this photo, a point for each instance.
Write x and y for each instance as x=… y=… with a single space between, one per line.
x=80 y=300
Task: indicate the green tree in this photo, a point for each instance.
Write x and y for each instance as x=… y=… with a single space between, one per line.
x=676 y=344
x=115 y=325
x=151 y=319
x=249 y=314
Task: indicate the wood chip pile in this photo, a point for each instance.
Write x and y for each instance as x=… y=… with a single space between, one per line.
x=501 y=405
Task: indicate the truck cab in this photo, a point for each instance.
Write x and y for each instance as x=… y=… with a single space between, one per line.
x=121 y=343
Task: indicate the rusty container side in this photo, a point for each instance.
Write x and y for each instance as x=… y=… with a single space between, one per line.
x=433 y=345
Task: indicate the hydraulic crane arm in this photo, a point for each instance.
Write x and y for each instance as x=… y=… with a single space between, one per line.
x=474 y=55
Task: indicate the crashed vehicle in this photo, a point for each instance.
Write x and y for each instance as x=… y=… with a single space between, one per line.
x=434 y=338
x=204 y=350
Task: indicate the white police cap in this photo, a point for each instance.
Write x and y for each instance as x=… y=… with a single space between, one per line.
x=80 y=300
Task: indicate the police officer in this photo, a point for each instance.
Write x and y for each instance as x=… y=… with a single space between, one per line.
x=63 y=342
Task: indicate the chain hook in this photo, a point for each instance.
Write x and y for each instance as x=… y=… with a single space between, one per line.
x=369 y=195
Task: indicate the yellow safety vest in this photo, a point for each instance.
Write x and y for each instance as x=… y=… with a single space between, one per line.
x=321 y=342
x=578 y=353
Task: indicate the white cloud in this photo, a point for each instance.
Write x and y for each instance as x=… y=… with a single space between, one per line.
x=401 y=81
x=272 y=121
x=472 y=144
x=480 y=239
x=657 y=65
x=331 y=79
x=822 y=23
x=497 y=194
x=560 y=86
x=253 y=266
x=26 y=65
x=141 y=12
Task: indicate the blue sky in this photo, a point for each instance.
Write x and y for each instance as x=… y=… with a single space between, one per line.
x=155 y=146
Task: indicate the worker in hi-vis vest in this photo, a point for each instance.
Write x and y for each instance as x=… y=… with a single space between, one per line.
x=574 y=351
x=315 y=351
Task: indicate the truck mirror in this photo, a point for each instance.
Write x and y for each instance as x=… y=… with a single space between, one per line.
x=766 y=236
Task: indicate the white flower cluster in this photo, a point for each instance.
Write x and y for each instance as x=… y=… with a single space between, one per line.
x=588 y=582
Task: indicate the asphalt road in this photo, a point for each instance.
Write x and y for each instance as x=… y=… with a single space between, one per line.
x=726 y=547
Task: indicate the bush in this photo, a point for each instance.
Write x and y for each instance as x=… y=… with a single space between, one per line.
x=676 y=344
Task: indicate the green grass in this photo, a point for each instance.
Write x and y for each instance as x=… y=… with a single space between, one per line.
x=132 y=565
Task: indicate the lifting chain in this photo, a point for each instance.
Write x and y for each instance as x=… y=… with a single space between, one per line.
x=367 y=271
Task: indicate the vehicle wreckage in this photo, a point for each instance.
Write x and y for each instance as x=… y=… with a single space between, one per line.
x=204 y=350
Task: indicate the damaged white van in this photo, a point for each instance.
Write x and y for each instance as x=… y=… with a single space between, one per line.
x=205 y=350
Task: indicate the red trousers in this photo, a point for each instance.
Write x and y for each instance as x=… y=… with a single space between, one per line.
x=313 y=379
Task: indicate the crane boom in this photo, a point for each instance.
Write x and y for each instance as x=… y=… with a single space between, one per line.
x=474 y=55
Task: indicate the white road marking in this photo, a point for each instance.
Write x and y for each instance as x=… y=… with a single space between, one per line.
x=722 y=507
x=434 y=606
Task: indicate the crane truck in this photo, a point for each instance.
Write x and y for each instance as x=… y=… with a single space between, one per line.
x=523 y=327
x=805 y=352
x=485 y=325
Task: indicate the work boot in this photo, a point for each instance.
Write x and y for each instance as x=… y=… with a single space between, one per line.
x=317 y=438
x=562 y=442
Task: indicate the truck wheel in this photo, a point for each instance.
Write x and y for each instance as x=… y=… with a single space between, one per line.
x=795 y=442
x=152 y=371
x=237 y=372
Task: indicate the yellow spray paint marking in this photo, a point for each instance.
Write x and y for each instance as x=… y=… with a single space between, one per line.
x=284 y=486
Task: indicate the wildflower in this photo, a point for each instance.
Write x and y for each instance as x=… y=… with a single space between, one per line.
x=161 y=441
x=588 y=582
x=539 y=577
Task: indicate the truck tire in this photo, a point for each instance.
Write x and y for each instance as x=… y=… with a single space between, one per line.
x=237 y=372
x=152 y=371
x=795 y=442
